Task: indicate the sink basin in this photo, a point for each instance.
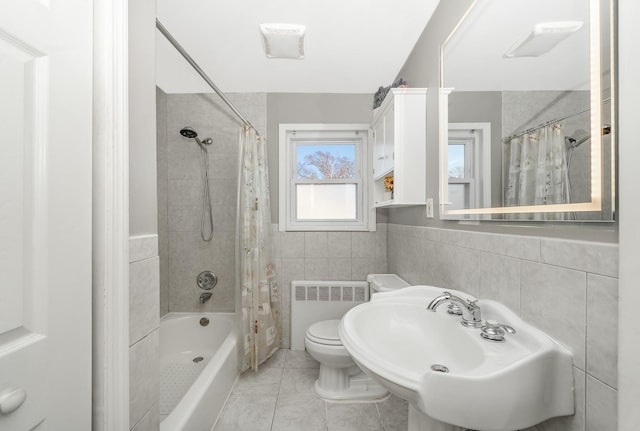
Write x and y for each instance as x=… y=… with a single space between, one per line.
x=450 y=373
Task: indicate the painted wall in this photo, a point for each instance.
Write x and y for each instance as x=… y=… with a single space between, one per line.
x=142 y=118
x=629 y=160
x=144 y=366
x=308 y=108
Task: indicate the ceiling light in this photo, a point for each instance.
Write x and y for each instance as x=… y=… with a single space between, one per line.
x=543 y=38
x=283 y=40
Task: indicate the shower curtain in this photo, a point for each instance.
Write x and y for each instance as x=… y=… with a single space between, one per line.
x=259 y=290
x=537 y=172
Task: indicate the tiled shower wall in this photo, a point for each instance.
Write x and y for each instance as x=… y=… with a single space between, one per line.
x=183 y=253
x=569 y=289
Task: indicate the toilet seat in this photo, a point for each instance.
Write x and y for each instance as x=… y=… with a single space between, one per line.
x=324 y=332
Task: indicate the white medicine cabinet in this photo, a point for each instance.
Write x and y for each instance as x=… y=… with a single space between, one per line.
x=399 y=137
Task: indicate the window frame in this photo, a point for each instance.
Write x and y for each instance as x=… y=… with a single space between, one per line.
x=476 y=137
x=290 y=135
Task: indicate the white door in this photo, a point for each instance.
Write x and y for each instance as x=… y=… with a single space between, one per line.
x=45 y=214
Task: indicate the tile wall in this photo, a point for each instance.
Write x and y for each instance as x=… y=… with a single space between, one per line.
x=569 y=289
x=144 y=367
x=183 y=253
x=325 y=256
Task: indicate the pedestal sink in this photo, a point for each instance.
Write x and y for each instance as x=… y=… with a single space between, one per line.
x=451 y=375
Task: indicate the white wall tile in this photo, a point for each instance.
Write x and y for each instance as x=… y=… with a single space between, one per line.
x=598 y=258
x=144 y=300
x=474 y=240
x=522 y=247
x=339 y=268
x=143 y=247
x=150 y=421
x=500 y=279
x=602 y=327
x=293 y=244
x=339 y=244
x=144 y=375
x=363 y=244
x=602 y=406
x=315 y=244
x=554 y=300
x=316 y=268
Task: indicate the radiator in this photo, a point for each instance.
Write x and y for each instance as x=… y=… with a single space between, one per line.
x=313 y=301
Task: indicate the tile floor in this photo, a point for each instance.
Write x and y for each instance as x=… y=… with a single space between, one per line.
x=280 y=397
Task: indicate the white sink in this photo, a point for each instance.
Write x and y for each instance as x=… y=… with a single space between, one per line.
x=489 y=386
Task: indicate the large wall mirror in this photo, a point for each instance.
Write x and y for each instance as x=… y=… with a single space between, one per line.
x=527 y=112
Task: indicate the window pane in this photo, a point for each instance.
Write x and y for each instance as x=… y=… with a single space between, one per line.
x=319 y=161
x=455 y=159
x=326 y=201
x=459 y=195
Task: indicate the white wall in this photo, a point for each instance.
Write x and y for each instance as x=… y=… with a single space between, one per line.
x=142 y=118
x=629 y=197
x=144 y=296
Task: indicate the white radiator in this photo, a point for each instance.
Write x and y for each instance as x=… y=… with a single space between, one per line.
x=313 y=301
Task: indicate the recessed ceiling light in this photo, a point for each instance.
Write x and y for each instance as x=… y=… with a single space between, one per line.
x=283 y=40
x=543 y=38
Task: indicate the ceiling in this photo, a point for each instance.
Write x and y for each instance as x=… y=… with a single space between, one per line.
x=352 y=46
x=474 y=56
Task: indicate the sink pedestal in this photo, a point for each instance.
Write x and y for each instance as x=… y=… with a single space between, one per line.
x=418 y=421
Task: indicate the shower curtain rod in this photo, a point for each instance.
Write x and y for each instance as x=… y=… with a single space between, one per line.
x=201 y=72
x=548 y=123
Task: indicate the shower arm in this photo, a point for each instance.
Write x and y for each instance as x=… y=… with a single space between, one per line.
x=201 y=72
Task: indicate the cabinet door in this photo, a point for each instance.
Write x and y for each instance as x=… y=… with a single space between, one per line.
x=389 y=139
x=378 y=146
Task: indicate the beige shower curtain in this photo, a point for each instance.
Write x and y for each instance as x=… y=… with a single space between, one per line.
x=537 y=172
x=259 y=290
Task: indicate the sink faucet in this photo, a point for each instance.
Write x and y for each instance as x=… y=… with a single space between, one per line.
x=471 y=315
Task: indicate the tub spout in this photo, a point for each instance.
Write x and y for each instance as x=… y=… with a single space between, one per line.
x=204 y=297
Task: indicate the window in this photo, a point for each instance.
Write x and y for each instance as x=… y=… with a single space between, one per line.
x=469 y=165
x=323 y=184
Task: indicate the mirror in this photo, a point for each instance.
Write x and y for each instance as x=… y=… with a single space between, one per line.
x=526 y=112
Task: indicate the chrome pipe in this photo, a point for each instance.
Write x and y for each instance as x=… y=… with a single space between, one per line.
x=201 y=72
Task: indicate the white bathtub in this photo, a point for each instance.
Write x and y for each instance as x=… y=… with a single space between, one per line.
x=194 y=393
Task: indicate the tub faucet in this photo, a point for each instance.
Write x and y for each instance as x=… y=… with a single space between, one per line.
x=471 y=315
x=204 y=297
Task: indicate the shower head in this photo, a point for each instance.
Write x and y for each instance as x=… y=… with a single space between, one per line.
x=188 y=132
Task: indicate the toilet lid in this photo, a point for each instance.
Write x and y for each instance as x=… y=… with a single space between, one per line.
x=325 y=332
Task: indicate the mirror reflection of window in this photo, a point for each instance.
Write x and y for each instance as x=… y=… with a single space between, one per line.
x=469 y=165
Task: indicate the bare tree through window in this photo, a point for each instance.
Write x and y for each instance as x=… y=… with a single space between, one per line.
x=322 y=165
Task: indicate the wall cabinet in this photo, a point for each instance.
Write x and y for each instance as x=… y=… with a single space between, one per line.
x=399 y=137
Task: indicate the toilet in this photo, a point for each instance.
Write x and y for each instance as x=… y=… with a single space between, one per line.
x=340 y=378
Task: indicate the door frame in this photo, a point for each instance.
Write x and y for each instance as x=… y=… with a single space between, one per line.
x=110 y=334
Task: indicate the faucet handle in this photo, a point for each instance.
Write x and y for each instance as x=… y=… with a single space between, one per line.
x=495 y=331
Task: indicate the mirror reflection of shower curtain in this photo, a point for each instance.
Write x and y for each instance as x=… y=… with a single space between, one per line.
x=259 y=289
x=537 y=173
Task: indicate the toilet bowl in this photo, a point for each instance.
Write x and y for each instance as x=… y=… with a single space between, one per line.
x=340 y=378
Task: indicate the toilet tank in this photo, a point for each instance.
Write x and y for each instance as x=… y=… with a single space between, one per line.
x=385 y=282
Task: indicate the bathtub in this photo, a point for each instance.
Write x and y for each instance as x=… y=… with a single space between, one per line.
x=198 y=368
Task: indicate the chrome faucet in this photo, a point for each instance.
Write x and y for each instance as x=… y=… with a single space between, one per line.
x=204 y=297
x=471 y=315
